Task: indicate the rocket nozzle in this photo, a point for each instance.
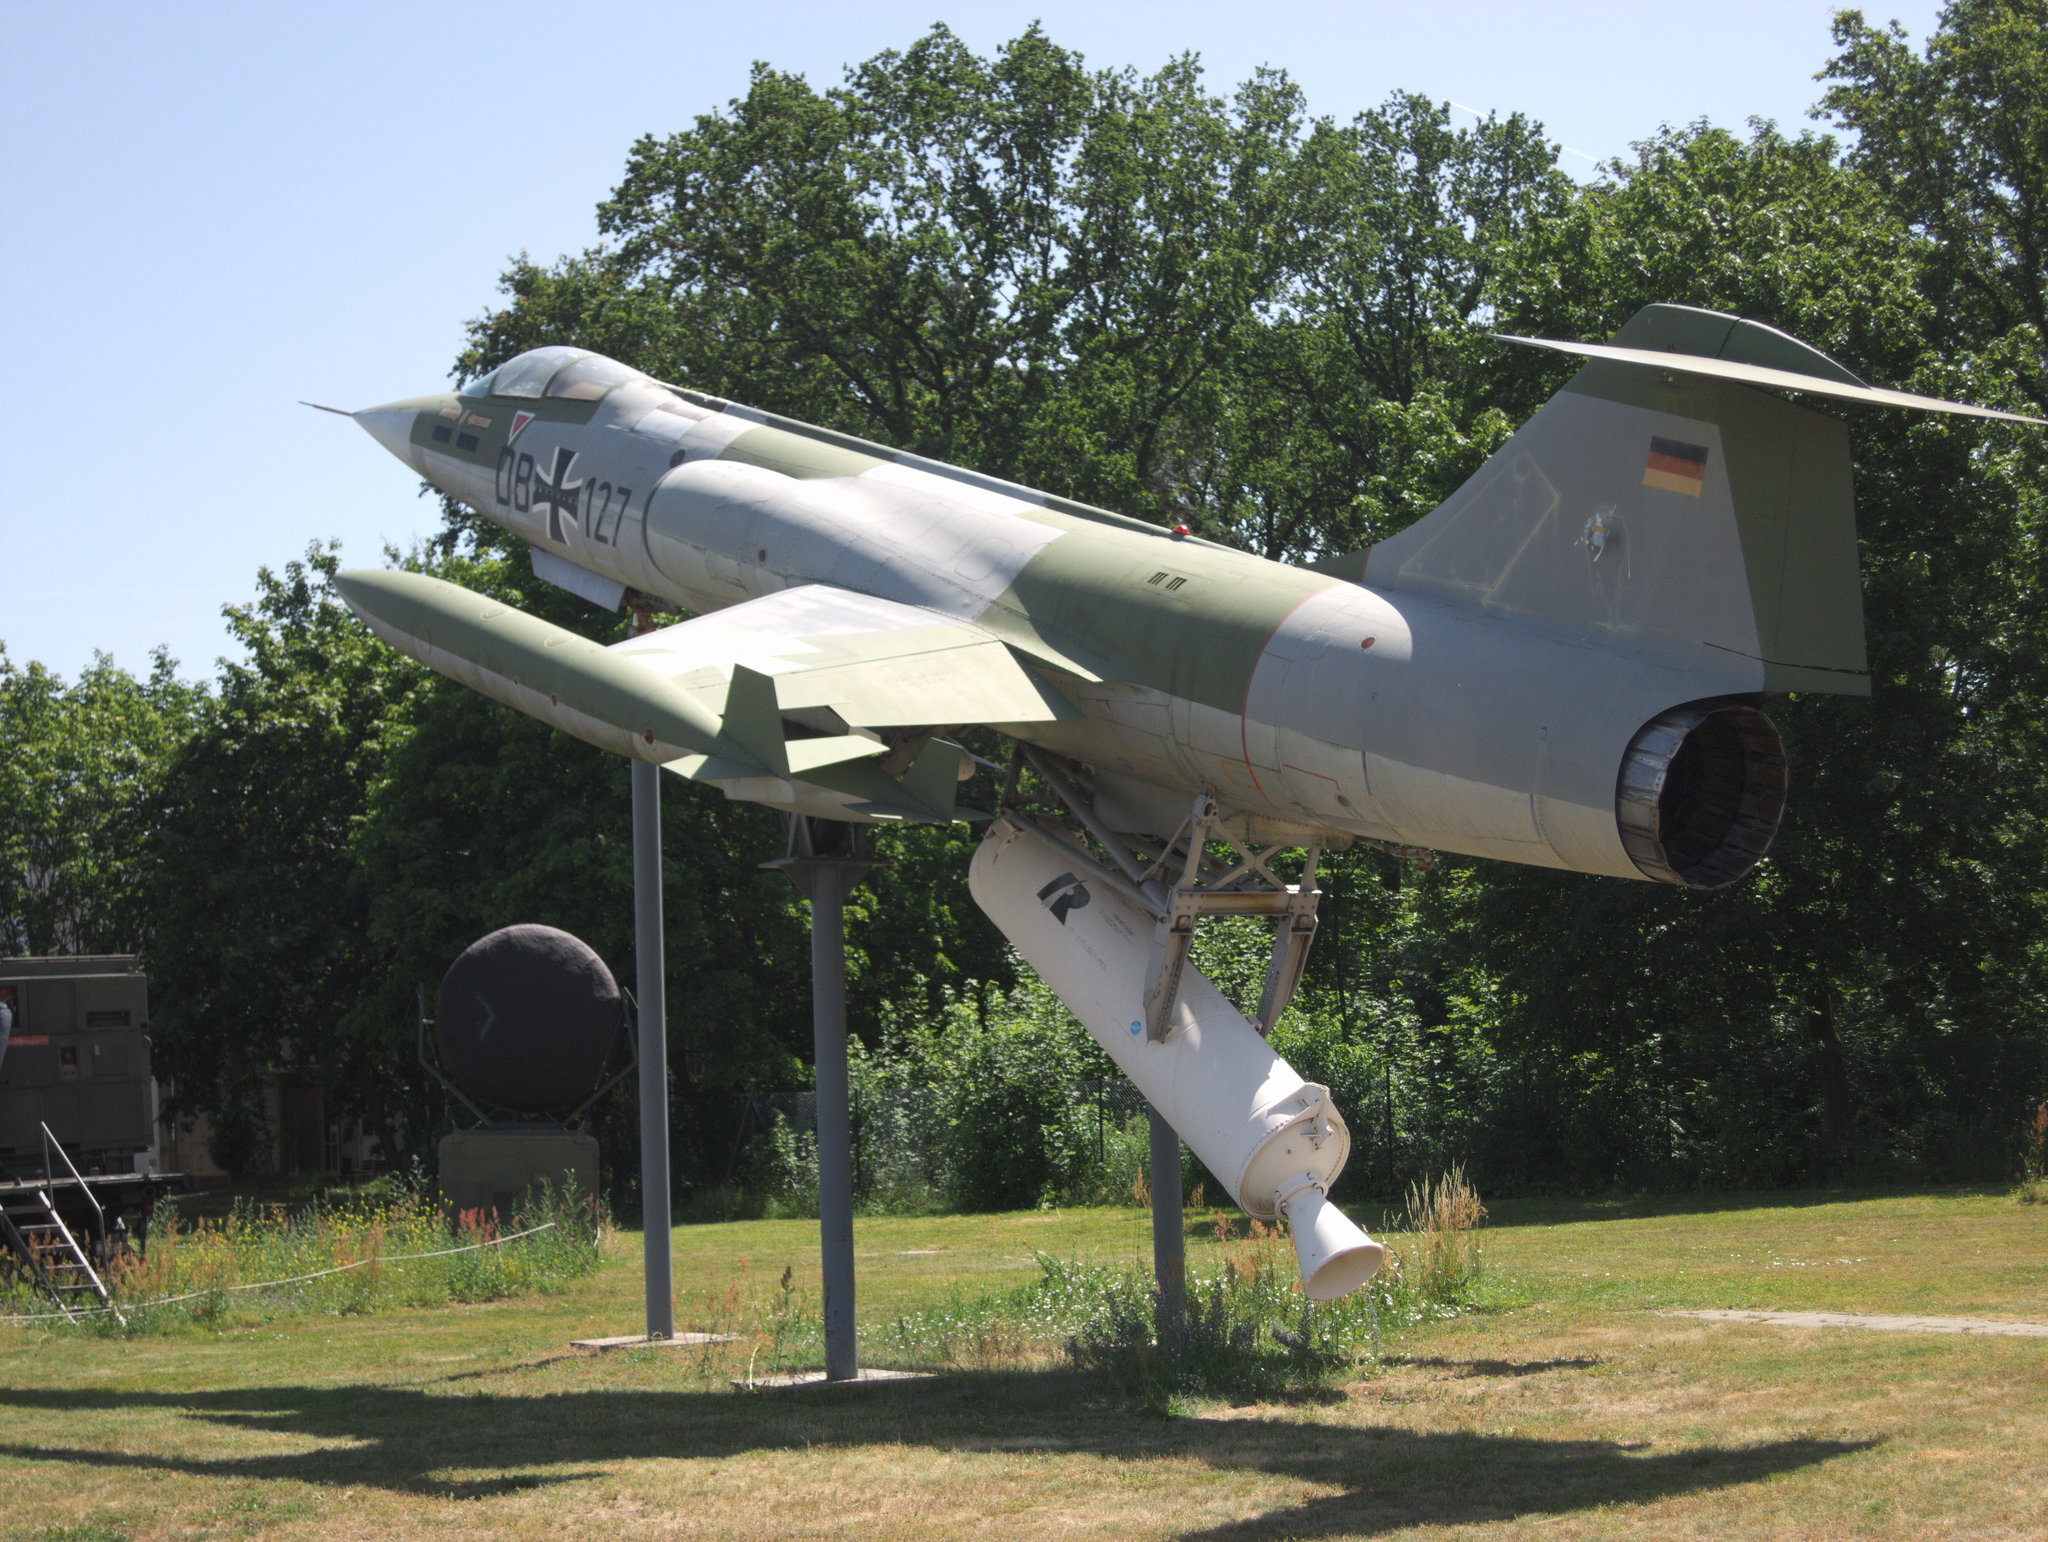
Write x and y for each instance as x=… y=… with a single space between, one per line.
x=1336 y=1256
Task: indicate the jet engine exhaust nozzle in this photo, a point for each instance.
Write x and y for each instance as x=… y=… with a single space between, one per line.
x=1701 y=793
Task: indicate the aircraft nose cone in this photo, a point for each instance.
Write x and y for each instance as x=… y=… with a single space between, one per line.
x=390 y=426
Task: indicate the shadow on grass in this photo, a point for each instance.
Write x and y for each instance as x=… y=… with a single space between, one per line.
x=415 y=1442
x=1467 y=1369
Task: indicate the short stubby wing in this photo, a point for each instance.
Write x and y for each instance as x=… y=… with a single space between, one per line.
x=852 y=661
x=814 y=700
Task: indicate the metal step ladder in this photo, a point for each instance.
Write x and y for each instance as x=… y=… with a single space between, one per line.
x=35 y=1231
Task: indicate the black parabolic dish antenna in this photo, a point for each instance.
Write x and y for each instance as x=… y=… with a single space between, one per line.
x=526 y=1019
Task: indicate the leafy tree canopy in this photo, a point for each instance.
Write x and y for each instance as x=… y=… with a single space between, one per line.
x=1223 y=310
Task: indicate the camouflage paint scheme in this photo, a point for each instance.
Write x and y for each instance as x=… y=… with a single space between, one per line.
x=1662 y=533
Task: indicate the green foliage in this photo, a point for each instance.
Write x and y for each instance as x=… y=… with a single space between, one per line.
x=84 y=1531
x=346 y=823
x=1001 y=1104
x=258 y=944
x=991 y=1327
x=79 y=768
x=1127 y=288
x=1250 y=1334
x=1953 y=141
x=340 y=1255
x=1004 y=1100
x=1119 y=288
x=1443 y=1216
x=2033 y=1185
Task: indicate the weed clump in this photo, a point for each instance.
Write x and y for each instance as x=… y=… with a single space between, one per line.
x=339 y=1257
x=2033 y=1185
x=1444 y=1215
x=1249 y=1333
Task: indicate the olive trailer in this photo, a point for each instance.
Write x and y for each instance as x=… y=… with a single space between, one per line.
x=78 y=1061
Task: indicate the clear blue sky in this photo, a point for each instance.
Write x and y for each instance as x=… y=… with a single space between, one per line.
x=209 y=211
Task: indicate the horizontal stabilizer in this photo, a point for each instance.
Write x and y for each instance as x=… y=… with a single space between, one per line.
x=753 y=720
x=1763 y=375
x=712 y=768
x=841 y=770
x=805 y=755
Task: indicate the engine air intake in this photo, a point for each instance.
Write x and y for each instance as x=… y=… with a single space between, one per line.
x=1701 y=792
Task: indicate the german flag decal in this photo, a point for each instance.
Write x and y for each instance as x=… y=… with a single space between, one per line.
x=1676 y=467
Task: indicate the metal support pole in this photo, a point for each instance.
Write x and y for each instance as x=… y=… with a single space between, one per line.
x=651 y=973
x=648 y=960
x=825 y=882
x=835 y=1120
x=1169 y=1249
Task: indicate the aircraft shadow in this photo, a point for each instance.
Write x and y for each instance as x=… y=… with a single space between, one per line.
x=399 y=1439
x=1467 y=1369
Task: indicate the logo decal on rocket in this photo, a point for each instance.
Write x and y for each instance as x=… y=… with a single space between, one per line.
x=1063 y=894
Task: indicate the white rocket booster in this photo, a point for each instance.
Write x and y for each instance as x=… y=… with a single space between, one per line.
x=1275 y=1139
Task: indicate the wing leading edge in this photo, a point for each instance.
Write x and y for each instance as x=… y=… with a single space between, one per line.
x=814 y=699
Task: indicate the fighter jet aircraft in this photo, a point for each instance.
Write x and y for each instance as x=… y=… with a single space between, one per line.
x=1565 y=664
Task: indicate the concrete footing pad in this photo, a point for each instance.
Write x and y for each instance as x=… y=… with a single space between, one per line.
x=808 y=1380
x=642 y=1341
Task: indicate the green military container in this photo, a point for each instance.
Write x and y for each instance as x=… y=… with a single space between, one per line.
x=78 y=1060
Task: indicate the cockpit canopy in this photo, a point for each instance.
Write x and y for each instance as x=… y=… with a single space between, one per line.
x=563 y=374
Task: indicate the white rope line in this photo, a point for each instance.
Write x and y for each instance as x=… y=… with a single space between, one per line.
x=297 y=1279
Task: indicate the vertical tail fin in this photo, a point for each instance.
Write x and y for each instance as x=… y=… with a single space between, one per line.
x=1666 y=510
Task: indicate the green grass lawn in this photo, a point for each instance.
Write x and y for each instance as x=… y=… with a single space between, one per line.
x=1566 y=1407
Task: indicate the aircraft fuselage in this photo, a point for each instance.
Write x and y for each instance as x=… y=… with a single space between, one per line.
x=1326 y=705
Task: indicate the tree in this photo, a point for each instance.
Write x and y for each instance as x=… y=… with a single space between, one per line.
x=258 y=946
x=1363 y=395
x=1010 y=263
x=78 y=771
x=1956 y=140
x=1128 y=289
